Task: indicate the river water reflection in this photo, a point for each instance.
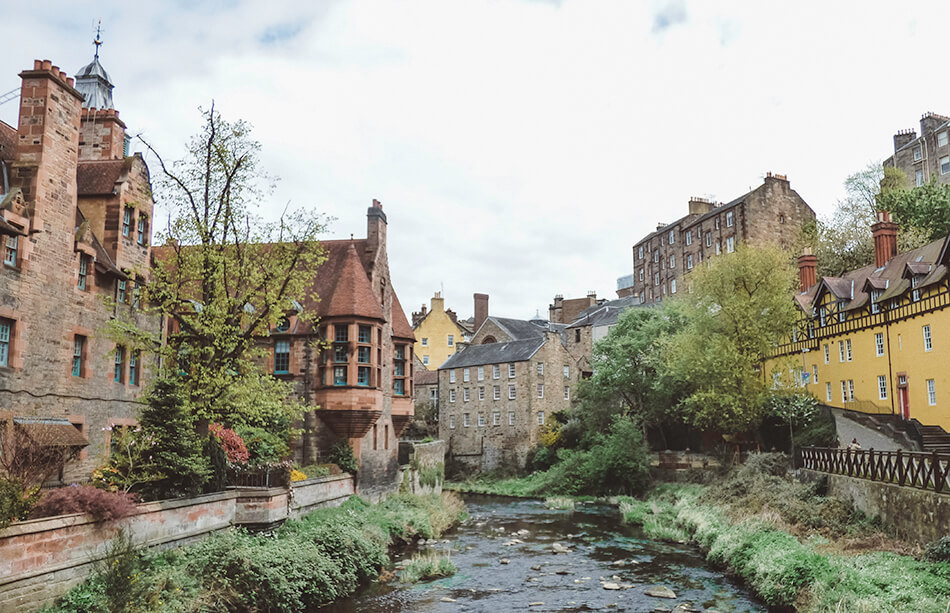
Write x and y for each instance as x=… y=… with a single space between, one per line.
x=537 y=579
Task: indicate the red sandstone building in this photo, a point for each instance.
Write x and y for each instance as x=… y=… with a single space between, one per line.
x=75 y=234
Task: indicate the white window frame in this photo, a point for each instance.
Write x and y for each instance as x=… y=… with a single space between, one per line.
x=689 y=261
x=672 y=237
x=814 y=372
x=466 y=375
x=844 y=391
x=878 y=344
x=919 y=177
x=672 y=260
x=481 y=420
x=931 y=393
x=944 y=164
x=718 y=247
x=918 y=153
x=451 y=395
x=567 y=392
x=847 y=345
x=452 y=375
x=828 y=390
x=466 y=420
x=731 y=244
x=540 y=390
x=689 y=237
x=496 y=392
x=672 y=286
x=850 y=390
x=511 y=418
x=567 y=372
x=451 y=340
x=452 y=422
x=511 y=370
x=481 y=392
x=496 y=418
x=495 y=371
x=928 y=338
x=511 y=391
x=656 y=278
x=466 y=396
x=841 y=352
x=708 y=239
x=425 y=360
x=942 y=138
x=425 y=341
x=827 y=354
x=882 y=387
x=729 y=219
x=540 y=418
x=480 y=373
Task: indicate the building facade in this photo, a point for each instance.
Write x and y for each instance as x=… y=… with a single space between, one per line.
x=495 y=398
x=872 y=339
x=923 y=158
x=438 y=332
x=771 y=213
x=75 y=226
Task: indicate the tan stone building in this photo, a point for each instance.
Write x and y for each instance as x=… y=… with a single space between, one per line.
x=771 y=213
x=75 y=227
x=923 y=158
x=495 y=397
x=593 y=324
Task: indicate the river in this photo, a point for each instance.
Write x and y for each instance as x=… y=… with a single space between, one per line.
x=536 y=579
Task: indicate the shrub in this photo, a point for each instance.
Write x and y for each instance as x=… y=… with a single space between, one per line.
x=232 y=443
x=428 y=566
x=341 y=454
x=296 y=475
x=263 y=446
x=16 y=501
x=939 y=550
x=100 y=504
x=320 y=470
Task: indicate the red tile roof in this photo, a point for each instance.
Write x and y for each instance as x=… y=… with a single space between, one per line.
x=401 y=327
x=342 y=285
x=8 y=138
x=99 y=177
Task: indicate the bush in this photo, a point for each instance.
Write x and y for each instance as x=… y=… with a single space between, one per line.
x=232 y=443
x=16 y=501
x=263 y=446
x=100 y=504
x=428 y=566
x=939 y=550
x=341 y=454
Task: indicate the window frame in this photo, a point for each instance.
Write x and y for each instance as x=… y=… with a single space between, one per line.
x=540 y=390
x=118 y=371
x=512 y=391
x=882 y=387
x=127 y=222
x=928 y=338
x=931 y=393
x=11 y=250
x=878 y=344
x=79 y=350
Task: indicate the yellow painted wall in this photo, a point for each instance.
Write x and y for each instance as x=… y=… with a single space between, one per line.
x=432 y=335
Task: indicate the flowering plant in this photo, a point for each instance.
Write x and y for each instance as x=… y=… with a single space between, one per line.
x=131 y=462
x=232 y=442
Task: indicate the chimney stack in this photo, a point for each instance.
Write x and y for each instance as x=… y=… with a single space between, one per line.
x=885 y=238
x=481 y=309
x=807 y=266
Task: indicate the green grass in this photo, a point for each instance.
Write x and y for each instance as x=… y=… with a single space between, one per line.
x=427 y=566
x=560 y=503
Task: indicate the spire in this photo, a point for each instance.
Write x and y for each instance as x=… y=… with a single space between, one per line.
x=93 y=82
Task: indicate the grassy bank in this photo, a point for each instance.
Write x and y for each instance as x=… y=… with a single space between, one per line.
x=317 y=559
x=794 y=547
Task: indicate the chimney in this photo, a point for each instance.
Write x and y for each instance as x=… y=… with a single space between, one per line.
x=930 y=122
x=885 y=238
x=700 y=206
x=375 y=229
x=660 y=225
x=101 y=135
x=807 y=265
x=438 y=303
x=903 y=137
x=481 y=309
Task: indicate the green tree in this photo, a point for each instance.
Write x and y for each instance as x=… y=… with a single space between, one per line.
x=225 y=276
x=924 y=210
x=739 y=310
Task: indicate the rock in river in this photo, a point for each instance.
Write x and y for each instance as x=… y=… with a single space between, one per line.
x=660 y=591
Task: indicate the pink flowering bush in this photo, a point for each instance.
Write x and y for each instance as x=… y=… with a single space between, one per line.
x=232 y=442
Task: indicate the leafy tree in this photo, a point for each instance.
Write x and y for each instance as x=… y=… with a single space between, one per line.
x=924 y=209
x=738 y=311
x=225 y=276
x=792 y=406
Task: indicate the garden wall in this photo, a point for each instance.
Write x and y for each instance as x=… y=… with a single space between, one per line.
x=43 y=558
x=422 y=467
x=916 y=515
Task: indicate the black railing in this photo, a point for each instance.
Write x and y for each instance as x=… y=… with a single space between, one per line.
x=926 y=471
x=259 y=476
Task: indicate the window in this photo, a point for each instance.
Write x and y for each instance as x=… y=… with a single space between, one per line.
x=672 y=235
x=841 y=351
x=851 y=390
x=465 y=395
x=451 y=340
x=945 y=164
x=481 y=420
x=842 y=314
x=656 y=278
x=729 y=219
x=640 y=252
x=672 y=260
x=847 y=344
x=689 y=237
x=425 y=360
x=928 y=343
x=708 y=239
x=134 y=368
x=10 y=249
x=730 y=244
x=828 y=391
x=511 y=371
x=641 y=274
x=540 y=390
x=83 y=270
x=718 y=247
x=282 y=357
x=119 y=364
x=481 y=373
x=567 y=392
x=875 y=297
x=879 y=344
x=465 y=375
x=827 y=356
x=496 y=418
x=511 y=418
x=814 y=372
x=79 y=346
x=914 y=282
x=362 y=379
x=919 y=177
x=918 y=154
x=452 y=376
x=466 y=422
x=341 y=333
x=882 y=387
x=689 y=262
x=142 y=230
x=127 y=222
x=425 y=341
x=120 y=294
x=717 y=223
x=942 y=139
x=511 y=392
x=496 y=392
x=541 y=368
x=656 y=256
x=364 y=335
x=931 y=393
x=339 y=375
x=567 y=372
x=495 y=371
x=822 y=315
x=540 y=418
x=339 y=353
x=452 y=395
x=672 y=286
x=452 y=421
x=481 y=393
x=844 y=391
x=362 y=355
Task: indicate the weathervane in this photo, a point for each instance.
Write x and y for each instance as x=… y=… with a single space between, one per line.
x=98 y=40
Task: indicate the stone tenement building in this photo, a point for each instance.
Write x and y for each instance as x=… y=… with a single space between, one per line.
x=75 y=230
x=438 y=331
x=361 y=381
x=926 y=157
x=494 y=398
x=593 y=324
x=772 y=212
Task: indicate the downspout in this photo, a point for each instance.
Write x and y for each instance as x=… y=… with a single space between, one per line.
x=890 y=366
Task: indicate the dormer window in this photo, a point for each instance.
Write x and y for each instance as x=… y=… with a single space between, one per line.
x=875 y=298
x=914 y=282
x=283 y=325
x=842 y=314
x=822 y=315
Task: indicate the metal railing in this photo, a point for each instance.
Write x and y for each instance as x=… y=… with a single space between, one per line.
x=258 y=476
x=925 y=471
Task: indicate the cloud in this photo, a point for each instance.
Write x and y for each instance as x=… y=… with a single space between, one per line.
x=671 y=13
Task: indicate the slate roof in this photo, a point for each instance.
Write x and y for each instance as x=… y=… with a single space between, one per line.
x=425 y=377
x=98 y=177
x=520 y=329
x=494 y=353
x=605 y=314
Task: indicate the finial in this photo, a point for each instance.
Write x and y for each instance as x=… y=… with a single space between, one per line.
x=98 y=41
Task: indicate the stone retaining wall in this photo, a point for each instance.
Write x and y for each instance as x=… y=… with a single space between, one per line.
x=422 y=469
x=42 y=559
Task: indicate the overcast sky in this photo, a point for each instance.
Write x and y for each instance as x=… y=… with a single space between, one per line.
x=518 y=148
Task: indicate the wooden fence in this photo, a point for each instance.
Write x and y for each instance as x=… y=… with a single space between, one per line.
x=926 y=471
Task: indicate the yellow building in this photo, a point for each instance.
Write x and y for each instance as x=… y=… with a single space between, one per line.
x=874 y=339
x=437 y=333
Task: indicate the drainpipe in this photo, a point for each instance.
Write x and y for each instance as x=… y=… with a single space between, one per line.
x=890 y=366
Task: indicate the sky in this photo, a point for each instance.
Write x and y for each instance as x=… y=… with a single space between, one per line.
x=519 y=148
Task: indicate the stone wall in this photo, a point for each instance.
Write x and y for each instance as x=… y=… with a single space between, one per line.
x=42 y=559
x=422 y=467
x=916 y=515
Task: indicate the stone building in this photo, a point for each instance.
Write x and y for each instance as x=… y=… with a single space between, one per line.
x=438 y=331
x=593 y=324
x=356 y=365
x=926 y=157
x=495 y=398
x=75 y=226
x=771 y=213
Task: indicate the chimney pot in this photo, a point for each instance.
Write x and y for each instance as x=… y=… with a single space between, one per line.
x=807 y=267
x=47 y=65
x=37 y=64
x=884 y=233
